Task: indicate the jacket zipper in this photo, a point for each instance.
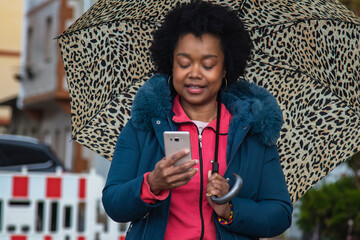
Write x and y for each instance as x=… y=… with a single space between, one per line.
x=237 y=147
x=201 y=180
x=146 y=218
x=201 y=186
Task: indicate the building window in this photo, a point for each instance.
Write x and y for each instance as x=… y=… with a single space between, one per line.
x=58 y=144
x=30 y=36
x=48 y=40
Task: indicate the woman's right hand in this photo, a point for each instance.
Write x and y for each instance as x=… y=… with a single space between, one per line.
x=166 y=176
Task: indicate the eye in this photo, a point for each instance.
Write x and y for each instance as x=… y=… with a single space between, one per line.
x=184 y=65
x=209 y=63
x=208 y=67
x=183 y=62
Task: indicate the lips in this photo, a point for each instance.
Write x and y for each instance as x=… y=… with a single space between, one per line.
x=194 y=88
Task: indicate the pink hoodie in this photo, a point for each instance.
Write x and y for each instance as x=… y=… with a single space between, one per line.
x=185 y=217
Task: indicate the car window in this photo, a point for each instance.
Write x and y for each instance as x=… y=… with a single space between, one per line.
x=11 y=155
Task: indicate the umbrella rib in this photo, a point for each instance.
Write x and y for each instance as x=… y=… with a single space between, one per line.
x=299 y=21
x=112 y=98
x=156 y=23
x=293 y=24
x=296 y=69
x=95 y=115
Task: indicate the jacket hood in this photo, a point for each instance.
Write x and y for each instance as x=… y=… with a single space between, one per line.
x=249 y=104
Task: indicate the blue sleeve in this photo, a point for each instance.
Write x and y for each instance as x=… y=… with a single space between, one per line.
x=270 y=215
x=121 y=194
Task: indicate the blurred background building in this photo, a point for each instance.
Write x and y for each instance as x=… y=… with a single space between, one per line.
x=34 y=97
x=10 y=48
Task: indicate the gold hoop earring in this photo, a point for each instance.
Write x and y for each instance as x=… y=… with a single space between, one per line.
x=225 y=84
x=169 y=80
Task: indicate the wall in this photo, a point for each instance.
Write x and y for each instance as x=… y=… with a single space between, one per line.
x=10 y=45
x=41 y=50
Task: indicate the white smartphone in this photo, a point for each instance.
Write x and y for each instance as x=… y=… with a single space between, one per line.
x=176 y=141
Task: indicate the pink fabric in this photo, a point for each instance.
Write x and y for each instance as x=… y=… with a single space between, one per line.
x=147 y=196
x=184 y=217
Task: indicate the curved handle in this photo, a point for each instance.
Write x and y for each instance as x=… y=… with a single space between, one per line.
x=232 y=193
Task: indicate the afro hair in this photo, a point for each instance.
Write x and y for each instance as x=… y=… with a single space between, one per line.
x=198 y=18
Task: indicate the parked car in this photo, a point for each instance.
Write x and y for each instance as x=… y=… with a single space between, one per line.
x=17 y=152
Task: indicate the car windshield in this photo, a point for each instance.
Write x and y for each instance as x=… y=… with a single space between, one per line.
x=11 y=155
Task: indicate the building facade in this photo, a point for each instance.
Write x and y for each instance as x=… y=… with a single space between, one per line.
x=43 y=99
x=10 y=46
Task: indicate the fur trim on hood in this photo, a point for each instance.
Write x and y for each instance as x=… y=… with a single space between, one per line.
x=249 y=104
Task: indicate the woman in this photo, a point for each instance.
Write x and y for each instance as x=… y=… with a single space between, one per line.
x=201 y=50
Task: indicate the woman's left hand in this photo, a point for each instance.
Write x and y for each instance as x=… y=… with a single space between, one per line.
x=218 y=186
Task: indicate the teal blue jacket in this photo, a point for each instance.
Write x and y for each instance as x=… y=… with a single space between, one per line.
x=261 y=209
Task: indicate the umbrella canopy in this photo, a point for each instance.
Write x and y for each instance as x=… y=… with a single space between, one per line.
x=306 y=53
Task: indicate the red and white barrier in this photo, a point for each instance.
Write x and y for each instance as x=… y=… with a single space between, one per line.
x=60 y=206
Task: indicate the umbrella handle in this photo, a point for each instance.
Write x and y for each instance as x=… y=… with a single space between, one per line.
x=232 y=193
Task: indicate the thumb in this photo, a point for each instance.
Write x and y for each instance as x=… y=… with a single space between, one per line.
x=175 y=157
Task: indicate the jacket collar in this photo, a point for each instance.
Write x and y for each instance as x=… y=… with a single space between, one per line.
x=249 y=104
x=180 y=116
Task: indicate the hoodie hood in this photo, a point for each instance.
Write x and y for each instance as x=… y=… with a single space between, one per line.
x=249 y=104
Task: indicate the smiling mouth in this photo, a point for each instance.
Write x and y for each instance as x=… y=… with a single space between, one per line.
x=194 y=86
x=195 y=89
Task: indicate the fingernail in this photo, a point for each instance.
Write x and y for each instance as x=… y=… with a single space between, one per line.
x=196 y=162
x=186 y=151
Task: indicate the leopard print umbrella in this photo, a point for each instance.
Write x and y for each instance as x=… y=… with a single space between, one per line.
x=307 y=54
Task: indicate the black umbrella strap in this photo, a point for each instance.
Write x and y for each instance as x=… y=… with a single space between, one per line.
x=215 y=167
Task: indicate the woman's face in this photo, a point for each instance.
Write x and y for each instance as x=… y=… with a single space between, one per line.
x=198 y=69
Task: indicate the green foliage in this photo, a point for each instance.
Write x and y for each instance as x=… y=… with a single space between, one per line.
x=354 y=164
x=330 y=207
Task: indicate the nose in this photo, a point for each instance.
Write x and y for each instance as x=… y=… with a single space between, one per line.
x=195 y=72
